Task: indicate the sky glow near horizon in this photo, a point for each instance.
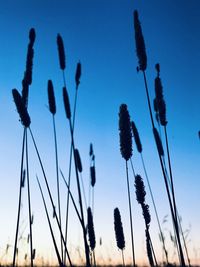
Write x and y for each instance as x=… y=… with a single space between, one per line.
x=101 y=35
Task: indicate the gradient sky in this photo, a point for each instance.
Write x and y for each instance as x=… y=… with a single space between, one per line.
x=100 y=34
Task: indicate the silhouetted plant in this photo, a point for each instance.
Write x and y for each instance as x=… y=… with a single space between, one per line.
x=91 y=233
x=61 y=52
x=139 y=148
x=140 y=196
x=125 y=137
x=119 y=233
x=52 y=109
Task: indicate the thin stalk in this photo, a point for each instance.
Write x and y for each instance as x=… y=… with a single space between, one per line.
x=148 y=99
x=173 y=193
x=57 y=179
x=152 y=249
x=70 y=163
x=123 y=261
x=184 y=242
x=155 y=209
x=170 y=172
x=93 y=200
x=130 y=214
x=50 y=196
x=50 y=227
x=20 y=196
x=29 y=201
x=80 y=199
x=94 y=258
x=83 y=189
x=73 y=201
x=182 y=261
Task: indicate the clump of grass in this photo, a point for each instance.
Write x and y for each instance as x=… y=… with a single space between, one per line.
x=119 y=232
x=126 y=152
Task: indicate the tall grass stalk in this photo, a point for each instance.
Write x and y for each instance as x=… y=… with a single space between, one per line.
x=77 y=81
x=142 y=59
x=19 y=199
x=91 y=234
x=29 y=200
x=68 y=115
x=119 y=233
x=126 y=152
x=52 y=109
x=161 y=110
x=140 y=150
x=140 y=196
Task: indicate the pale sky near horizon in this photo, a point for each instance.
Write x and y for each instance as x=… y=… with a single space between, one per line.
x=101 y=35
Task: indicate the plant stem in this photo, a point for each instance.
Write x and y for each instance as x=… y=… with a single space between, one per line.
x=155 y=209
x=50 y=227
x=57 y=179
x=50 y=196
x=80 y=199
x=70 y=163
x=123 y=262
x=19 y=202
x=130 y=214
x=179 y=248
x=29 y=201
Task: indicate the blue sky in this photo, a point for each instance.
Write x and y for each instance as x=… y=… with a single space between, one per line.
x=101 y=35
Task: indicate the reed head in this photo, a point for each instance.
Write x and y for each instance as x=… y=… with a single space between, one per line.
x=125 y=135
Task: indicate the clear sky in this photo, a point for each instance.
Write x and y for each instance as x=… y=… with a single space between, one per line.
x=100 y=34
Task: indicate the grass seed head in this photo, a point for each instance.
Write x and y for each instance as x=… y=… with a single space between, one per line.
x=91 y=153
x=93 y=176
x=66 y=103
x=136 y=137
x=61 y=51
x=146 y=214
x=119 y=233
x=32 y=36
x=21 y=109
x=139 y=189
x=51 y=97
x=160 y=102
x=158 y=142
x=140 y=45
x=78 y=74
x=91 y=232
x=78 y=160
x=125 y=132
